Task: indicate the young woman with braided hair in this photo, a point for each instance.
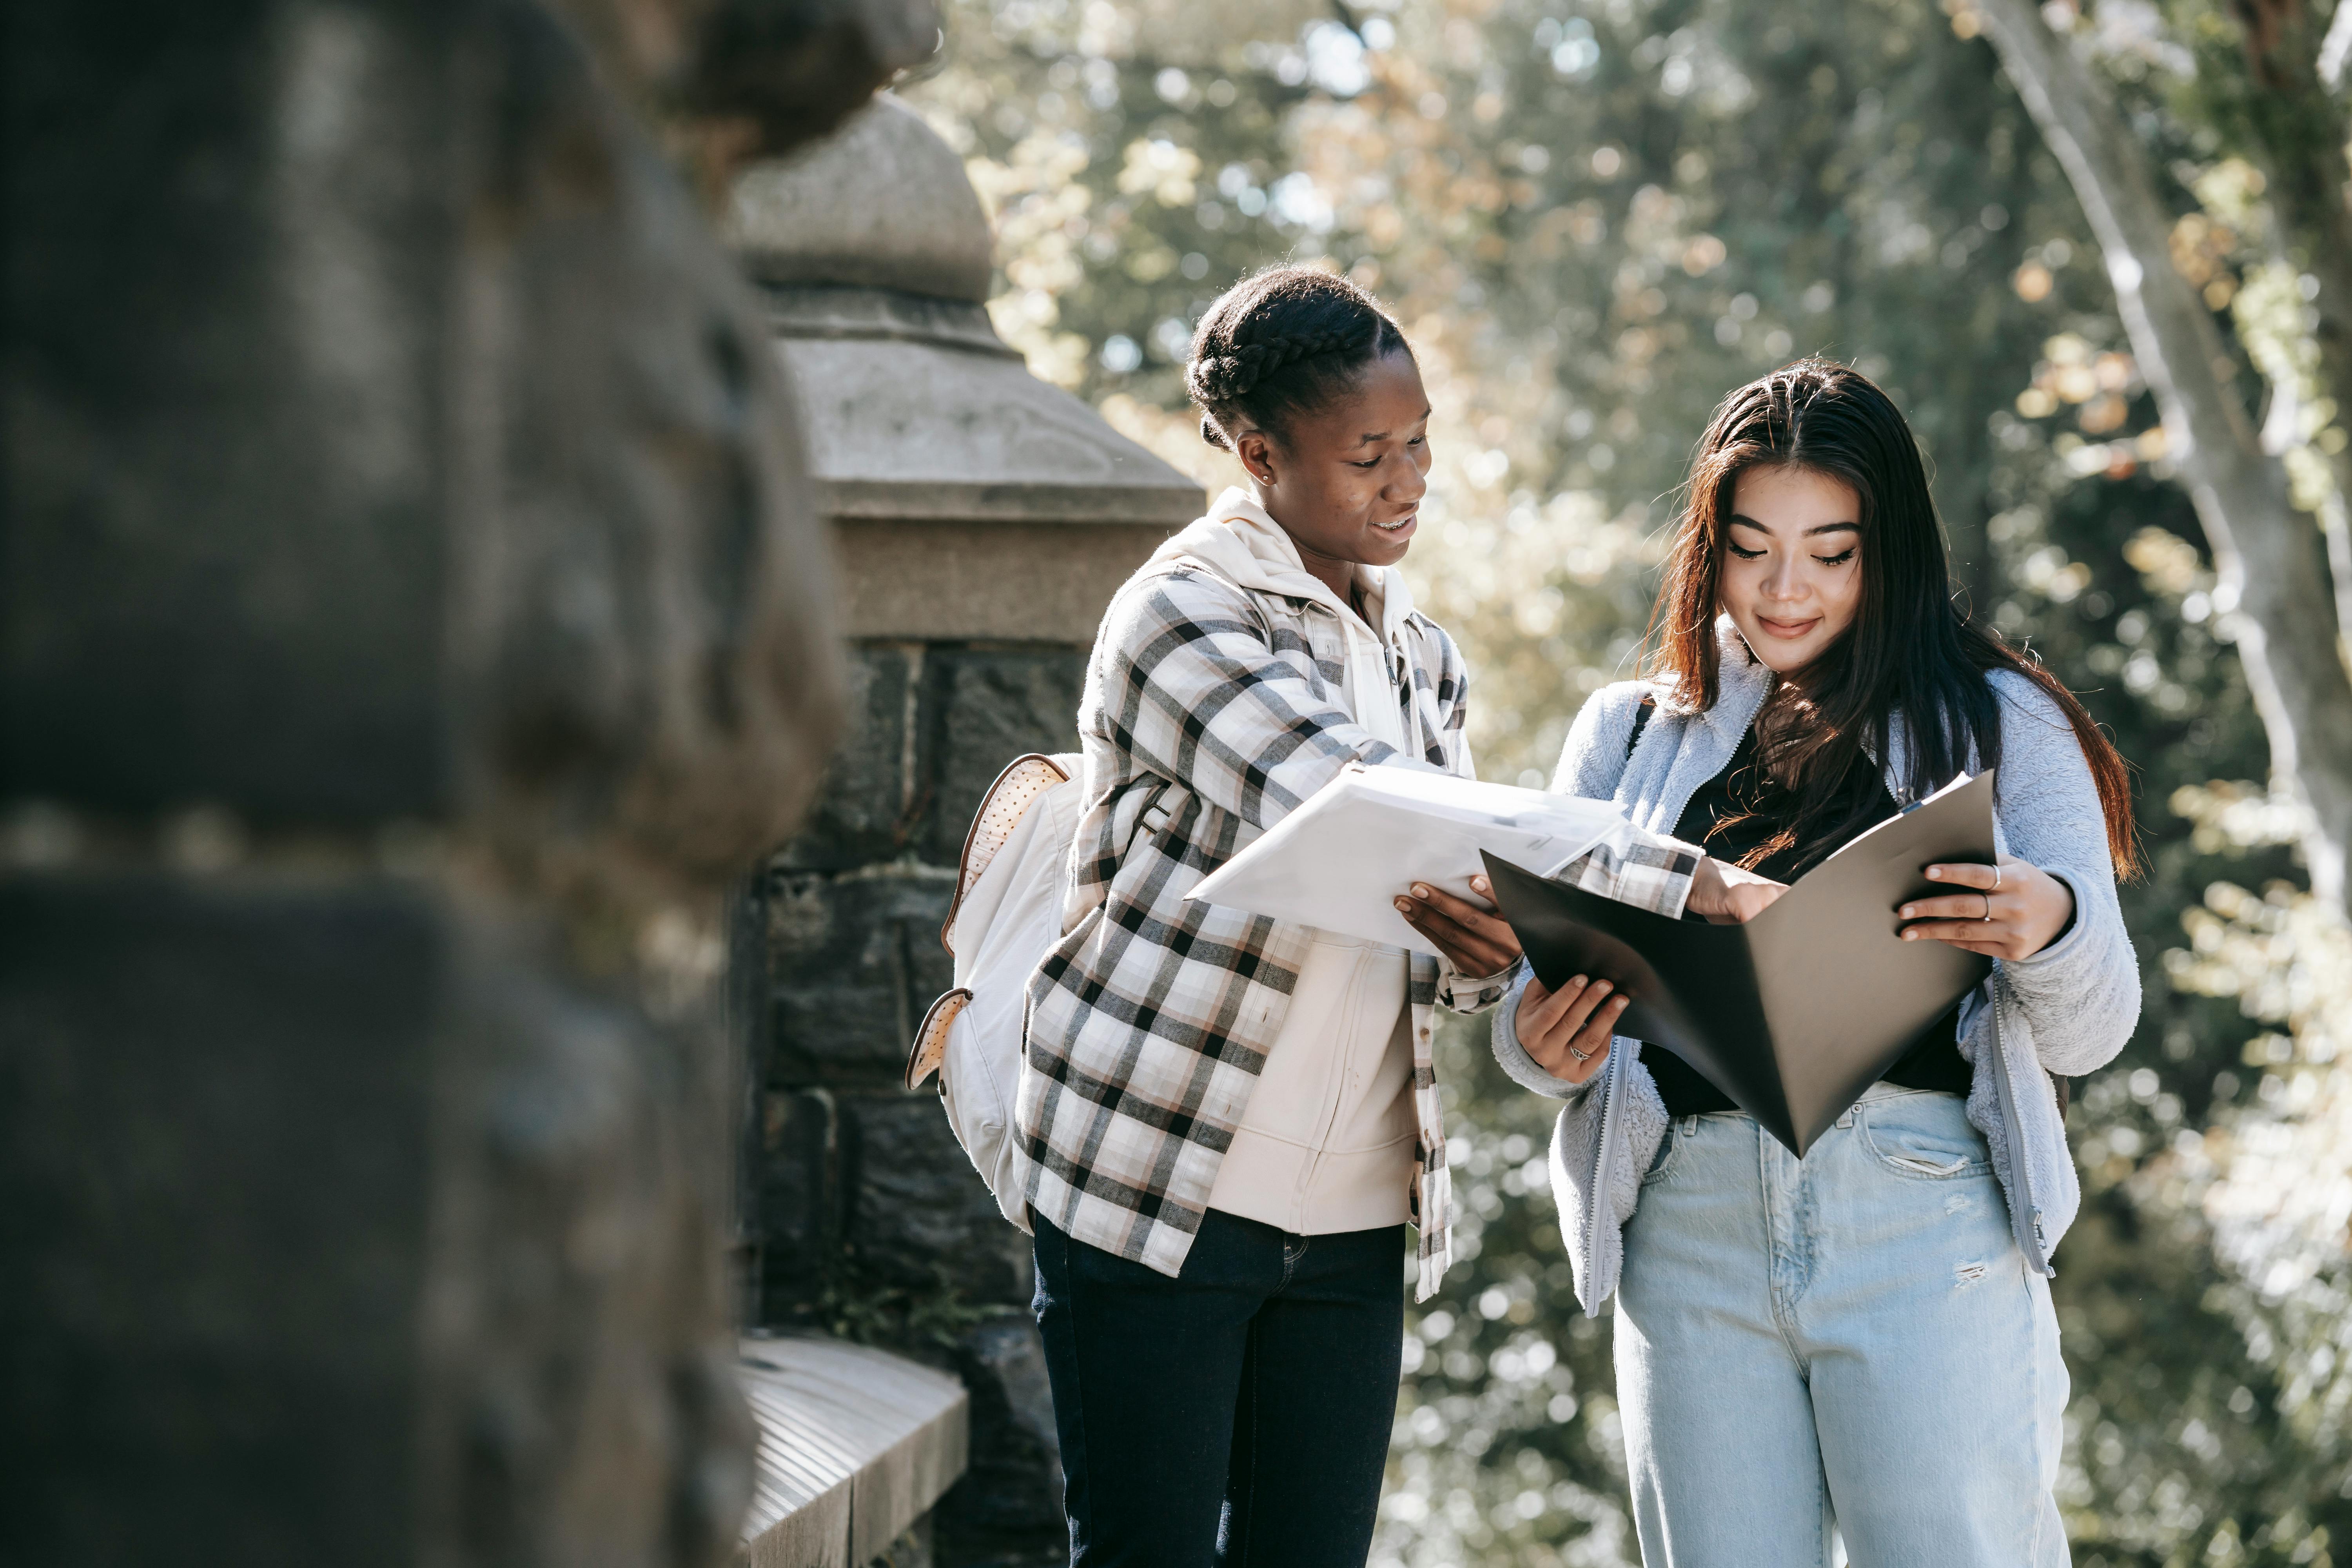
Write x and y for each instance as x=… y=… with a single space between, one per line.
x=1862 y=1339
x=1231 y=1120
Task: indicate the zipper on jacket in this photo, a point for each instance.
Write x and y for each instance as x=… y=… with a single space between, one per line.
x=2024 y=1214
x=1595 y=1191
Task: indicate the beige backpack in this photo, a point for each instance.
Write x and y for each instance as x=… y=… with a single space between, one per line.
x=1006 y=916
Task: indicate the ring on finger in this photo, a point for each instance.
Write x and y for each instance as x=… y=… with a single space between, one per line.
x=1987 y=902
x=1579 y=1056
x=1996 y=878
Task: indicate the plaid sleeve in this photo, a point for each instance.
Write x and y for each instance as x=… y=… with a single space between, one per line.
x=1462 y=993
x=1193 y=692
x=1630 y=865
x=1635 y=867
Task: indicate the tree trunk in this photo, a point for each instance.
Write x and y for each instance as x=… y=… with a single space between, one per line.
x=2301 y=130
x=2271 y=563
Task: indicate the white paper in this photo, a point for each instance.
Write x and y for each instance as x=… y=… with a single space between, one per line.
x=1341 y=859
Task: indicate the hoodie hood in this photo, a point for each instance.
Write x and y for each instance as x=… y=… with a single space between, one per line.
x=1240 y=542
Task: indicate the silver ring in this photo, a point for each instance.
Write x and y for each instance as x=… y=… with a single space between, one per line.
x=1579 y=1056
x=1988 y=899
x=1996 y=878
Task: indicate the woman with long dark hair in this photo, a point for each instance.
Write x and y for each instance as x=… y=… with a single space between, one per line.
x=1861 y=1340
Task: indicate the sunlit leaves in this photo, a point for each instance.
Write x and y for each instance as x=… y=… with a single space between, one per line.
x=1592 y=219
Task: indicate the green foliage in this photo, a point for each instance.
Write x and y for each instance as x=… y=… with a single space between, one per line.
x=1594 y=217
x=856 y=1306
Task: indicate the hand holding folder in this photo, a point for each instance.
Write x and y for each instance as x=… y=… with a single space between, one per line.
x=1798 y=1011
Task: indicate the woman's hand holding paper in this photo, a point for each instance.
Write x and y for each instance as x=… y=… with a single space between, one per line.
x=1477 y=942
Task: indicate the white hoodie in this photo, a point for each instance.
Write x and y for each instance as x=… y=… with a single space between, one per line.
x=1326 y=1142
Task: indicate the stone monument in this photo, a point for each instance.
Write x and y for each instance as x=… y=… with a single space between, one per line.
x=982 y=519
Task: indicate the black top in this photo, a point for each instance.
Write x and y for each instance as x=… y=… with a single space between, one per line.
x=1733 y=812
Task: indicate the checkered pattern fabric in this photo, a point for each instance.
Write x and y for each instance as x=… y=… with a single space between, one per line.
x=1210 y=712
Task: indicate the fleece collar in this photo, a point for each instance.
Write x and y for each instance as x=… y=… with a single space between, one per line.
x=1741 y=681
x=1240 y=542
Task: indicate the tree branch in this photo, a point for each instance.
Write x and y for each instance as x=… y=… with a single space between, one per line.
x=2334 y=47
x=2273 y=570
x=2300 y=129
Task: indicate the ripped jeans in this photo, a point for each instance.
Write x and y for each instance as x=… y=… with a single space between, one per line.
x=1850 y=1345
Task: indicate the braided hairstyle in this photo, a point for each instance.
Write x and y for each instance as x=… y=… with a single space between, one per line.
x=1283 y=342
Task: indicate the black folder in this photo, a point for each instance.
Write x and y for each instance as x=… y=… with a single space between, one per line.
x=1795 y=1013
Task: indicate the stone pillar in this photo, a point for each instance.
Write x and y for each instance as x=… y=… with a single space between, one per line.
x=412 y=619
x=982 y=519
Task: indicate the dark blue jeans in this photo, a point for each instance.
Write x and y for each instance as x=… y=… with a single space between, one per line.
x=1235 y=1416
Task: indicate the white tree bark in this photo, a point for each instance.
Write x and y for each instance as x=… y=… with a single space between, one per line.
x=2298 y=128
x=2274 y=572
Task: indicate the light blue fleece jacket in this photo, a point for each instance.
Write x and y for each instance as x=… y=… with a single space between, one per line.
x=2066 y=1010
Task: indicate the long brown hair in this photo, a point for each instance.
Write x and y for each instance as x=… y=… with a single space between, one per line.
x=1911 y=645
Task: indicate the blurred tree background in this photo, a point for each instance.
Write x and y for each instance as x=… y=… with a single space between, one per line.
x=1594 y=217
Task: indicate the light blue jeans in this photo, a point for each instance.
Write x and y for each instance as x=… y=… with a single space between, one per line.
x=1849 y=1344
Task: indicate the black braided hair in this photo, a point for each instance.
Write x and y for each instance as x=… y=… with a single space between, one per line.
x=1282 y=342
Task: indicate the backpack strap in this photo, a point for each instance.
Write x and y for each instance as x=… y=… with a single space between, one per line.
x=1640 y=722
x=1008 y=800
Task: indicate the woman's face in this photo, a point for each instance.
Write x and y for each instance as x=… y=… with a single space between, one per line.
x=1347 y=480
x=1791 y=576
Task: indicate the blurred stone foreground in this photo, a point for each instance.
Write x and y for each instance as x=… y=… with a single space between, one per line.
x=416 y=616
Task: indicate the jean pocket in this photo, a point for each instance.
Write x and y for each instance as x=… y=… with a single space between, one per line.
x=1920 y=1165
x=1662 y=1163
x=1925 y=1136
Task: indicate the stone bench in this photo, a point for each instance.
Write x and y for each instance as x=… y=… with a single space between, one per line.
x=855 y=1444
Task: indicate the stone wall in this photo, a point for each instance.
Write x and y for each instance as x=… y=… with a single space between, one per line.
x=982 y=517
x=866 y=1213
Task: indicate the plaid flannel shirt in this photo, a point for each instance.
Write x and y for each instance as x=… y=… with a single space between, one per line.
x=1210 y=712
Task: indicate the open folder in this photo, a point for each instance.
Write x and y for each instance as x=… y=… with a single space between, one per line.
x=1795 y=1013
x=1341 y=859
